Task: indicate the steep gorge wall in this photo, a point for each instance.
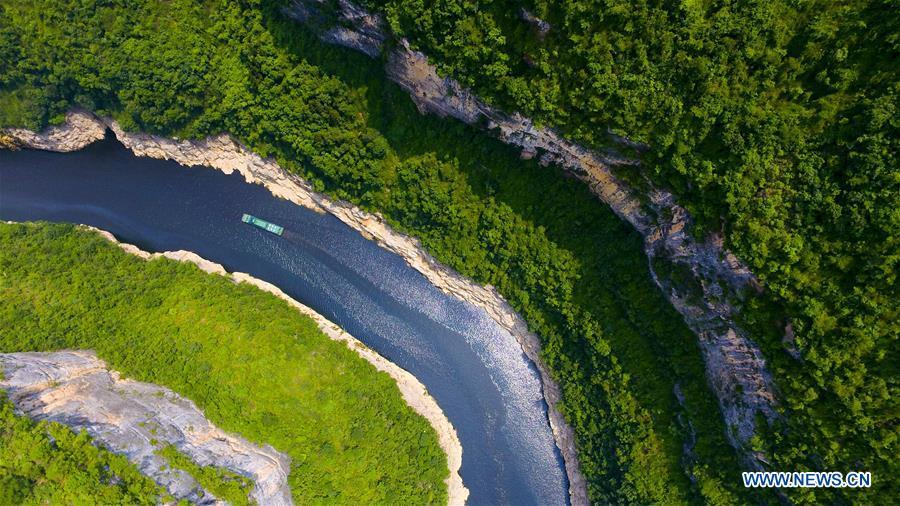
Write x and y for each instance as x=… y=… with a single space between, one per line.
x=736 y=369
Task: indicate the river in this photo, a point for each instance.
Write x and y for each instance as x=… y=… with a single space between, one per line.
x=474 y=369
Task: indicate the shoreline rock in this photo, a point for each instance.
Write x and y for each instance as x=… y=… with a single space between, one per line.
x=77 y=389
x=736 y=368
x=413 y=392
x=78 y=132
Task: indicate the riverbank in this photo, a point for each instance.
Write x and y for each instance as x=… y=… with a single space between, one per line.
x=414 y=393
x=702 y=280
x=225 y=154
x=253 y=365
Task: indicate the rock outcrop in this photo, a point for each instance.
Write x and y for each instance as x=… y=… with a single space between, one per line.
x=137 y=419
x=716 y=279
x=79 y=131
x=542 y=26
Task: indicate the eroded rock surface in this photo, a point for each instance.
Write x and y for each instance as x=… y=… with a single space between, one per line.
x=736 y=369
x=75 y=388
x=542 y=26
x=80 y=130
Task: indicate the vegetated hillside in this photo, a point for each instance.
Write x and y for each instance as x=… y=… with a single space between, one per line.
x=253 y=364
x=777 y=122
x=567 y=264
x=47 y=463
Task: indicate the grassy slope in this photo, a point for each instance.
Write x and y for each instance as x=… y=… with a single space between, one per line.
x=253 y=365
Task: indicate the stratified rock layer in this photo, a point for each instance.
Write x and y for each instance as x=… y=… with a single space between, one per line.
x=136 y=419
x=79 y=131
x=735 y=366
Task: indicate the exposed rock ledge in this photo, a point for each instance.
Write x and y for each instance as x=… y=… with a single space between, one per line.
x=225 y=154
x=79 y=131
x=75 y=388
x=736 y=369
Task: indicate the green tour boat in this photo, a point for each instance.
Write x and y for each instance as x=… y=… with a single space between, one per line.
x=263 y=224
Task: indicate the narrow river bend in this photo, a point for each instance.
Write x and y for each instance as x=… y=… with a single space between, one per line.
x=474 y=369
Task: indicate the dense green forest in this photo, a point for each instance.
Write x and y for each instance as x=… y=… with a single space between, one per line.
x=777 y=122
x=567 y=264
x=253 y=364
x=612 y=341
x=47 y=463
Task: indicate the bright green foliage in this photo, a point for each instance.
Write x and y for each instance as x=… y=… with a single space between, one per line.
x=222 y=483
x=47 y=463
x=253 y=364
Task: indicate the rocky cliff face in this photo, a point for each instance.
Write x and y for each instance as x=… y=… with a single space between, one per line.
x=715 y=279
x=79 y=130
x=136 y=419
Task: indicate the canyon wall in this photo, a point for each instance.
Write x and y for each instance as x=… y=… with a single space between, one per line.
x=716 y=279
x=137 y=419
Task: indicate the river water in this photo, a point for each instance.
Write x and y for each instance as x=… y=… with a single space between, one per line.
x=475 y=370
